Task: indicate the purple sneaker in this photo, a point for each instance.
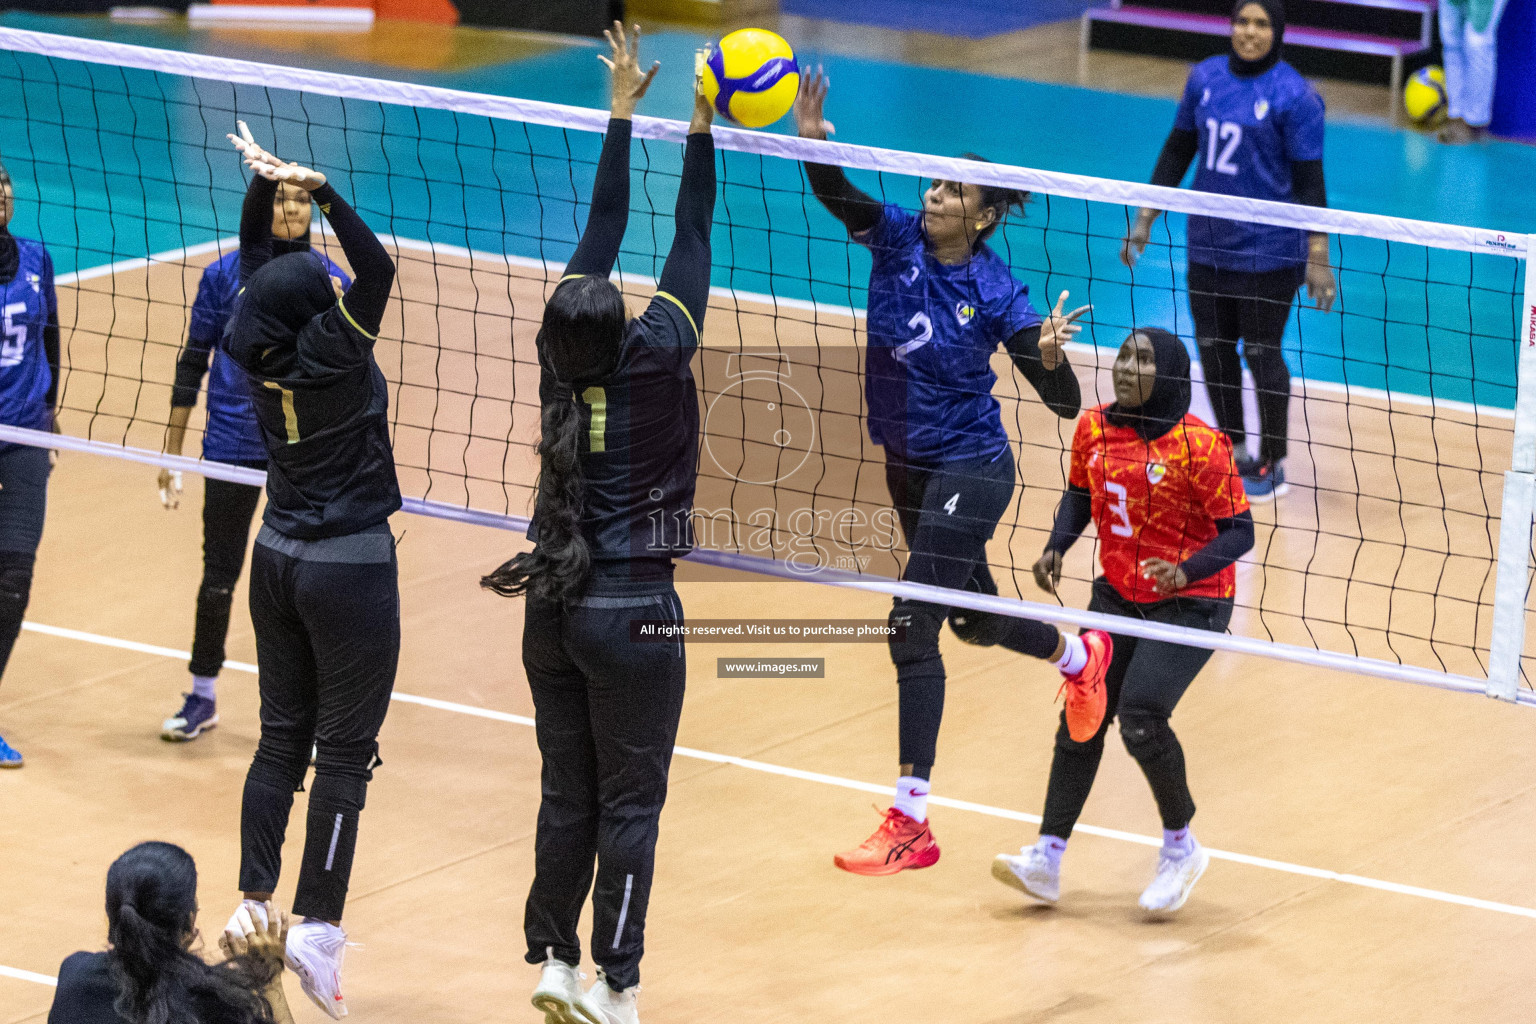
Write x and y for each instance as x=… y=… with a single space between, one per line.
x=195 y=716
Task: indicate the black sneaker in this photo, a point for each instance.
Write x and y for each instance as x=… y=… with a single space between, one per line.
x=196 y=715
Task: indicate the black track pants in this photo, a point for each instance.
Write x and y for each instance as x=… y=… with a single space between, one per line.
x=327 y=618
x=606 y=711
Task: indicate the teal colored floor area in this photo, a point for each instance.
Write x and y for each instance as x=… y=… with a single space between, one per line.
x=132 y=163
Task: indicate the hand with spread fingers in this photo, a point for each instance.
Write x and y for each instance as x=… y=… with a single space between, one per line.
x=810 y=103
x=630 y=84
x=1058 y=329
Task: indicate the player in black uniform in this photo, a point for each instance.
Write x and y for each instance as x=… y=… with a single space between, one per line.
x=619 y=455
x=325 y=597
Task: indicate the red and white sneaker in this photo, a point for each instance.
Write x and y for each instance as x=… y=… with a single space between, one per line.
x=1087 y=696
x=314 y=953
x=899 y=843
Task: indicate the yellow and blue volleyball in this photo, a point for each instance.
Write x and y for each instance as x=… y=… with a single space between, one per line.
x=751 y=77
x=1424 y=97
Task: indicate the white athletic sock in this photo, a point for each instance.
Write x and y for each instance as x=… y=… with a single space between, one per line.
x=203 y=686
x=1073 y=656
x=912 y=797
x=1178 y=844
x=1053 y=847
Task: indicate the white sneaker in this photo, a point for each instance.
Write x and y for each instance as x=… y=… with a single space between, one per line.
x=314 y=953
x=559 y=996
x=1031 y=872
x=1175 y=877
x=615 y=1007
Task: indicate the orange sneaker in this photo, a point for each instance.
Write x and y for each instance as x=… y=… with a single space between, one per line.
x=899 y=843
x=1087 y=696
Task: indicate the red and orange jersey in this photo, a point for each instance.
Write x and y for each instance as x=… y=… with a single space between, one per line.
x=1157 y=499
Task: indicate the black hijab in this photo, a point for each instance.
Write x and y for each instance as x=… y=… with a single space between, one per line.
x=1170 y=397
x=288 y=298
x=1253 y=68
x=284 y=246
x=10 y=255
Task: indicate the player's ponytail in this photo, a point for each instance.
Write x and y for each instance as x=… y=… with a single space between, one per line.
x=558 y=567
x=998 y=198
x=578 y=344
x=151 y=904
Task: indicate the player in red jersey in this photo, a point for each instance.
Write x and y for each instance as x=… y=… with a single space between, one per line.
x=1172 y=518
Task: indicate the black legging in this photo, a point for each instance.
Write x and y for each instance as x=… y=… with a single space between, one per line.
x=1228 y=307
x=227 y=512
x=948 y=514
x=1146 y=678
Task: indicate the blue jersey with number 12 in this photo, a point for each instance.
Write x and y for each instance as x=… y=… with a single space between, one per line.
x=1251 y=131
x=28 y=305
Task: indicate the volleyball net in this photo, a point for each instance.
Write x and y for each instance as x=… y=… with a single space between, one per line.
x=1403 y=549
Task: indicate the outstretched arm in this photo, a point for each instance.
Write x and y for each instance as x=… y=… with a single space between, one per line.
x=858 y=211
x=685 y=275
x=255 y=222
x=373 y=270
x=598 y=249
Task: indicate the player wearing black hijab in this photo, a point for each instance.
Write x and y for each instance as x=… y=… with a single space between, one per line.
x=1163 y=490
x=325 y=596
x=1256 y=126
x=618 y=456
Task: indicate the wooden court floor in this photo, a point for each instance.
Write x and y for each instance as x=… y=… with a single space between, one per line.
x=1421 y=798
x=750 y=921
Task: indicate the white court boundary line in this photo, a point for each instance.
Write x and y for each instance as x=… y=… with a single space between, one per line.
x=21 y=975
x=560 y=115
x=766 y=768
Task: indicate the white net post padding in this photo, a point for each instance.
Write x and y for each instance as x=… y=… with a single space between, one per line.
x=1513 y=563
x=1513 y=574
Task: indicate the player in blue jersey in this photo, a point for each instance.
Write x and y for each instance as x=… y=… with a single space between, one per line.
x=1257 y=127
x=29 y=375
x=231 y=436
x=941 y=302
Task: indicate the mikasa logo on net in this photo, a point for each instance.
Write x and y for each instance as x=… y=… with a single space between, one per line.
x=1530 y=334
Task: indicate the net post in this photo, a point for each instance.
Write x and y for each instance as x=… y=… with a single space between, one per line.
x=1513 y=571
